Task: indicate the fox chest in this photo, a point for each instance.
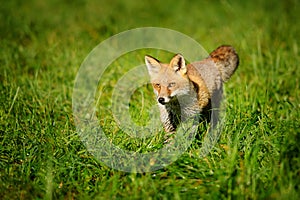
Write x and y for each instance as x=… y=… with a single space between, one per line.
x=181 y=109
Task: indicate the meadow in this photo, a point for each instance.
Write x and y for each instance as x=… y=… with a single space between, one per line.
x=44 y=43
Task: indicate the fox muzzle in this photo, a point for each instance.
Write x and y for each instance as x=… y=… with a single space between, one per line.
x=161 y=100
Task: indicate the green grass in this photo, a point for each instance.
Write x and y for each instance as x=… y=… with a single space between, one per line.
x=42 y=46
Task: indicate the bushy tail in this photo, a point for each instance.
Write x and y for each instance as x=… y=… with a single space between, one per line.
x=226 y=59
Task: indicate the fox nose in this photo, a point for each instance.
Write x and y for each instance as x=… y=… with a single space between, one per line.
x=161 y=100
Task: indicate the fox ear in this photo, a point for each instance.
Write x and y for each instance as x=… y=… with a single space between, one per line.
x=153 y=65
x=178 y=64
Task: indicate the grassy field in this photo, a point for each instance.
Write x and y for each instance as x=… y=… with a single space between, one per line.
x=42 y=45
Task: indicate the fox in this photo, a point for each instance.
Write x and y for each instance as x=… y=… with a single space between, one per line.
x=186 y=90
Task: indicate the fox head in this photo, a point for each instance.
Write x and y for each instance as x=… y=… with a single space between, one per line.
x=169 y=81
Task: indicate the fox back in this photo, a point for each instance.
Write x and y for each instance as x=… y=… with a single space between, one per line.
x=182 y=90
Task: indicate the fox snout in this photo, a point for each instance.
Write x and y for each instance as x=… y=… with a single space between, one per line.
x=163 y=94
x=163 y=100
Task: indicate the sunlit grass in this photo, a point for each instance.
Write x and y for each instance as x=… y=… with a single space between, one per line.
x=42 y=46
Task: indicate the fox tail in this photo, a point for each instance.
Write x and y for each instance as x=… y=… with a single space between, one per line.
x=226 y=59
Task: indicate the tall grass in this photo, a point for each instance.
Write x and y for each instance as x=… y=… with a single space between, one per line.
x=43 y=44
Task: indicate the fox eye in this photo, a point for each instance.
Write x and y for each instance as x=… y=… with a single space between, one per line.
x=171 y=84
x=157 y=85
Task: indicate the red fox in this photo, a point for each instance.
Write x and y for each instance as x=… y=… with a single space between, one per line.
x=184 y=90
